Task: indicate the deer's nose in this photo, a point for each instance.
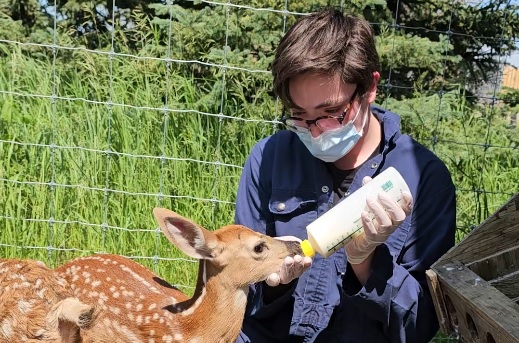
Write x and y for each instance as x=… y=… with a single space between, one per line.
x=294 y=248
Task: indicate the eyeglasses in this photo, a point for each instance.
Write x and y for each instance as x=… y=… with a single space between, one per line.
x=325 y=123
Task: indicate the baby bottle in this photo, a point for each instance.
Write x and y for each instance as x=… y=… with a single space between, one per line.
x=340 y=224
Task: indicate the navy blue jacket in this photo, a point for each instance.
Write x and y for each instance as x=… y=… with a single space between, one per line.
x=284 y=188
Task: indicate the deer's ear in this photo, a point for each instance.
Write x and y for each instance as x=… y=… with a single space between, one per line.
x=192 y=239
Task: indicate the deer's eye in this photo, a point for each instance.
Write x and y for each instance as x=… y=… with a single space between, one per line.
x=258 y=249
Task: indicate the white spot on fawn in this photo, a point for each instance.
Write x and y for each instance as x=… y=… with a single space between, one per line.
x=24 y=306
x=115 y=310
x=7 y=329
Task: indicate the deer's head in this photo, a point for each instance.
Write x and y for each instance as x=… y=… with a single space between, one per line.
x=235 y=250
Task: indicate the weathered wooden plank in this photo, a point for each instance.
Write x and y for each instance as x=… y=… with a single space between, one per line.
x=439 y=304
x=469 y=330
x=498 y=232
x=498 y=265
x=507 y=284
x=481 y=310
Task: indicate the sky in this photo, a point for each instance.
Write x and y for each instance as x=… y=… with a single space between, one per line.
x=514 y=59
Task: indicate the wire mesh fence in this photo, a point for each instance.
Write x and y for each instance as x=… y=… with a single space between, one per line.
x=110 y=109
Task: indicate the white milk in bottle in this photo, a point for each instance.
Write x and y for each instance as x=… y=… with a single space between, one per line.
x=340 y=224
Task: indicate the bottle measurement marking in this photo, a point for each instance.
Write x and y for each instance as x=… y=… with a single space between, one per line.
x=341 y=241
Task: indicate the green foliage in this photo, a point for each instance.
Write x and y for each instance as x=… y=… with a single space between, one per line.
x=477 y=32
x=475 y=142
x=433 y=44
x=22 y=21
x=416 y=63
x=510 y=96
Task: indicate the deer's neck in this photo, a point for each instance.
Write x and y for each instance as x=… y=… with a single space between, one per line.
x=215 y=312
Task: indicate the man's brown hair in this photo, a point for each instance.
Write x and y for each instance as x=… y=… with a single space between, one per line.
x=326 y=42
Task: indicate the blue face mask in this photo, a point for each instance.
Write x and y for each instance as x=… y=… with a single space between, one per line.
x=331 y=145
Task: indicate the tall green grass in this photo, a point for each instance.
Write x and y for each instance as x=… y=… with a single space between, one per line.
x=477 y=145
x=81 y=176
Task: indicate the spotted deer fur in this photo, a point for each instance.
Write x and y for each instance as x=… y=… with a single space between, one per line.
x=138 y=306
x=38 y=306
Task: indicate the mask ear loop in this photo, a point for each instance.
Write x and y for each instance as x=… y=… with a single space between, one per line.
x=357 y=114
x=361 y=132
x=365 y=120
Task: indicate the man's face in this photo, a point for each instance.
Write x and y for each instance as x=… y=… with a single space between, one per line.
x=317 y=95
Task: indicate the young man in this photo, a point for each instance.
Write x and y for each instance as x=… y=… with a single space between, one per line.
x=326 y=71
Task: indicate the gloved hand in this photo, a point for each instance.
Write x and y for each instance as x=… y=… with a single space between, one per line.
x=384 y=216
x=292 y=267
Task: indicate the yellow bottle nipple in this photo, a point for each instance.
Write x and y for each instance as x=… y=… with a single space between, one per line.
x=307 y=248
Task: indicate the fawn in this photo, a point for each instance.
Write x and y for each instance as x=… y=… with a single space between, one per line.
x=138 y=306
x=38 y=306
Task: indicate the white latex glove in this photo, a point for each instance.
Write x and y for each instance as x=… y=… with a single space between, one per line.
x=292 y=267
x=384 y=216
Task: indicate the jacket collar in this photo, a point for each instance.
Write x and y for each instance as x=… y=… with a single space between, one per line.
x=390 y=123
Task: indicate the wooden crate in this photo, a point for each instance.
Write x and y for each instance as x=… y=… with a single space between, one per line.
x=475 y=285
